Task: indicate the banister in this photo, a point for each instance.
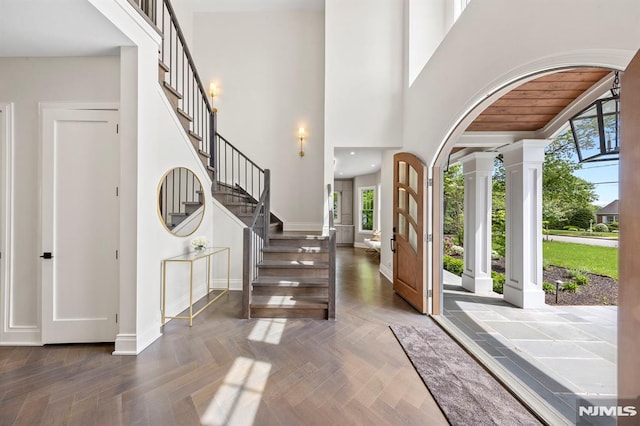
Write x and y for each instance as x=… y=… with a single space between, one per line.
x=240 y=152
x=187 y=52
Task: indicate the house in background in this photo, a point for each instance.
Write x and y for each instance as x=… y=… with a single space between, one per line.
x=609 y=213
x=406 y=77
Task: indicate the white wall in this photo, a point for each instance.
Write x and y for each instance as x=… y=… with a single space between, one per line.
x=270 y=70
x=426 y=24
x=499 y=41
x=364 y=73
x=386 y=213
x=26 y=82
x=362 y=181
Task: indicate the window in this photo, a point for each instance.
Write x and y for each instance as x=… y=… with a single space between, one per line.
x=366 y=202
x=337 y=207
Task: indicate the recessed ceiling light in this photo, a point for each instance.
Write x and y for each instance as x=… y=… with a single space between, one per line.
x=373 y=165
x=340 y=173
x=352 y=153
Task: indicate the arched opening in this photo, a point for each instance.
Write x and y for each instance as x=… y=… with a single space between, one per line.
x=498 y=126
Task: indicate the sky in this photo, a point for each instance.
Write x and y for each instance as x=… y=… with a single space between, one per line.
x=599 y=173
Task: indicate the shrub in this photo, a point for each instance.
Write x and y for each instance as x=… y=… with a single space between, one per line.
x=446 y=245
x=548 y=287
x=498 y=281
x=573 y=273
x=571 y=228
x=453 y=265
x=613 y=226
x=457 y=250
x=581 y=279
x=570 y=287
x=601 y=227
x=582 y=217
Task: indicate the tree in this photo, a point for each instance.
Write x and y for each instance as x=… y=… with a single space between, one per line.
x=563 y=194
x=453 y=186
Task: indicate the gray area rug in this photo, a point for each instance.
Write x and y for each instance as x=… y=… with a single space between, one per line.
x=465 y=392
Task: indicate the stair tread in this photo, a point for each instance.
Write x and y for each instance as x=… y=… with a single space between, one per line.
x=292 y=264
x=184 y=114
x=290 y=282
x=234 y=203
x=195 y=136
x=163 y=65
x=204 y=154
x=172 y=90
x=294 y=249
x=289 y=302
x=300 y=237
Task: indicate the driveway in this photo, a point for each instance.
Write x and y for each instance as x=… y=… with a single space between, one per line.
x=581 y=240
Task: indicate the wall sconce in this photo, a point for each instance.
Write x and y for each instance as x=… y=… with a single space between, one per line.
x=301 y=139
x=213 y=92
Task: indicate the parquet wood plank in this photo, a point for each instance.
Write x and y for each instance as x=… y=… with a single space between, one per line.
x=348 y=371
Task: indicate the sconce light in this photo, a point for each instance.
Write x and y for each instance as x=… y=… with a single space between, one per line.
x=213 y=91
x=301 y=137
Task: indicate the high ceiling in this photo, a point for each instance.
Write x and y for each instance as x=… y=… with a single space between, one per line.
x=534 y=104
x=56 y=28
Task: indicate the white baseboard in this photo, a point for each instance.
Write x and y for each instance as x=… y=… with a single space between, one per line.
x=149 y=336
x=386 y=272
x=234 y=283
x=126 y=344
x=360 y=245
x=21 y=336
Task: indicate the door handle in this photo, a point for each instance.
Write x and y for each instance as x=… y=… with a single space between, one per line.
x=47 y=255
x=392 y=241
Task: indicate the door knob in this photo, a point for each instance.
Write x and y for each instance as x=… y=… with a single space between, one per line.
x=47 y=255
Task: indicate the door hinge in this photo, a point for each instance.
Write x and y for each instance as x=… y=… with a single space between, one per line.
x=117 y=128
x=429 y=293
x=116 y=254
x=430 y=182
x=117 y=191
x=116 y=318
x=429 y=238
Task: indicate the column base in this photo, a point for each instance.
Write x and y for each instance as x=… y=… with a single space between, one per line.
x=482 y=285
x=526 y=299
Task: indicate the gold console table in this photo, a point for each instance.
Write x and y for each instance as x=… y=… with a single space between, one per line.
x=191 y=258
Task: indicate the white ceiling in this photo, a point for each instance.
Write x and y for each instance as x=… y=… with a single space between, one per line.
x=56 y=28
x=363 y=161
x=253 y=5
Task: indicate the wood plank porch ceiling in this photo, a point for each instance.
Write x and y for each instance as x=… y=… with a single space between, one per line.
x=534 y=104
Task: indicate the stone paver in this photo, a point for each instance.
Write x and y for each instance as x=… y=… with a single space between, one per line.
x=562 y=353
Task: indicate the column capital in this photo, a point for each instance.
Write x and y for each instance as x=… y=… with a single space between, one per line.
x=524 y=151
x=478 y=161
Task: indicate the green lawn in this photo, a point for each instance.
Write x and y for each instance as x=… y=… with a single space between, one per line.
x=605 y=235
x=595 y=259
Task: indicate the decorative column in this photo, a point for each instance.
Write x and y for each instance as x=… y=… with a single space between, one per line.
x=523 y=167
x=477 y=169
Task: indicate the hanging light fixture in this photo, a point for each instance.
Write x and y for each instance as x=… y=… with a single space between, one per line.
x=596 y=129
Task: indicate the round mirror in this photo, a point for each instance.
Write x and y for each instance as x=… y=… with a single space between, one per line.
x=180 y=201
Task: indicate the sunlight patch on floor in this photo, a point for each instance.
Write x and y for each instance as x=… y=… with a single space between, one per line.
x=268 y=330
x=238 y=399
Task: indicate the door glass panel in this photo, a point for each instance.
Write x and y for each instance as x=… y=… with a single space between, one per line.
x=413 y=179
x=413 y=238
x=402 y=172
x=402 y=226
x=402 y=199
x=413 y=209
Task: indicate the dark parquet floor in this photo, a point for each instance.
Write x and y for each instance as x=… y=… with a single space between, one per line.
x=225 y=370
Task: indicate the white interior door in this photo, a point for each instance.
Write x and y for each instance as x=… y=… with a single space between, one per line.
x=80 y=225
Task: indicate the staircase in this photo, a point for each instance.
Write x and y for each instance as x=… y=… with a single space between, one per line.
x=284 y=275
x=293 y=279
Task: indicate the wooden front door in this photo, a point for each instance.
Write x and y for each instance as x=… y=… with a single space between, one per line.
x=409 y=199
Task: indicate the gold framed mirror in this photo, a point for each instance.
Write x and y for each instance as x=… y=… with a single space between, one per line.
x=181 y=201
